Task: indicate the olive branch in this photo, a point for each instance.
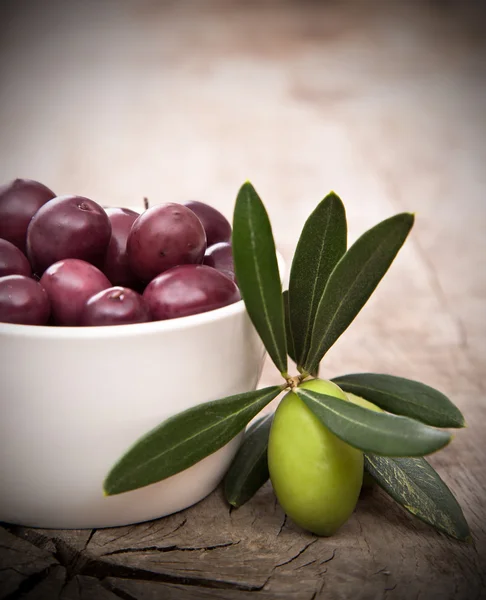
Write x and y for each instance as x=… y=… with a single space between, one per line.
x=328 y=285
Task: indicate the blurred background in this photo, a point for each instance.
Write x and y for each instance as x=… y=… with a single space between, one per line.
x=382 y=101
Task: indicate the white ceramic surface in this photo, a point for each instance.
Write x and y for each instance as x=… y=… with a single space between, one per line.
x=74 y=399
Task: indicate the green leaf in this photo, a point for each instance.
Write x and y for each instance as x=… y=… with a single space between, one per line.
x=256 y=270
x=321 y=244
x=288 y=327
x=371 y=431
x=352 y=282
x=403 y=397
x=185 y=439
x=414 y=484
x=249 y=469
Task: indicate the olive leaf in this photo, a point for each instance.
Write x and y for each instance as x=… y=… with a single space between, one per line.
x=184 y=439
x=321 y=244
x=288 y=327
x=371 y=431
x=249 y=469
x=416 y=486
x=403 y=397
x=257 y=273
x=352 y=282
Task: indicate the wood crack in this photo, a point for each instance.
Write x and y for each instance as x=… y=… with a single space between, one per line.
x=283 y=525
x=28 y=584
x=326 y=560
x=102 y=570
x=93 y=531
x=296 y=555
x=173 y=548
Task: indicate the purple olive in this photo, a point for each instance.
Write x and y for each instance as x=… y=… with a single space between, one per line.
x=23 y=300
x=114 y=306
x=20 y=199
x=215 y=224
x=12 y=260
x=188 y=290
x=220 y=257
x=162 y=237
x=69 y=284
x=115 y=265
x=67 y=227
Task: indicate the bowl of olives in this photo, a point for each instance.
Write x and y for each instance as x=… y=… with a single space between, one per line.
x=111 y=321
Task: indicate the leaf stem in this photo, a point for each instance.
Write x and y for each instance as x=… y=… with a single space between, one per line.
x=293 y=382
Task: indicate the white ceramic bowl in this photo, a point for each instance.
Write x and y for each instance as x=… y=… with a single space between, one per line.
x=74 y=399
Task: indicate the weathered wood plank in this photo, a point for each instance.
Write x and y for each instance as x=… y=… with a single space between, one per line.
x=81 y=587
x=384 y=105
x=22 y=564
x=50 y=586
x=150 y=590
x=255 y=548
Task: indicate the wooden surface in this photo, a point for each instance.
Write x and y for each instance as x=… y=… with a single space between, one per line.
x=383 y=102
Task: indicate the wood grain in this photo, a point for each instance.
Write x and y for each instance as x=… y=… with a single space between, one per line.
x=382 y=102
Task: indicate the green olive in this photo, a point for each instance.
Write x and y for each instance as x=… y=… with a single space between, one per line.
x=362 y=402
x=316 y=476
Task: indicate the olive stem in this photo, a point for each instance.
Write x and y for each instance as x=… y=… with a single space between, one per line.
x=293 y=382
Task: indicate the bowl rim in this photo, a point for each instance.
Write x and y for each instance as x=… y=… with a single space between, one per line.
x=120 y=331
x=48 y=332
